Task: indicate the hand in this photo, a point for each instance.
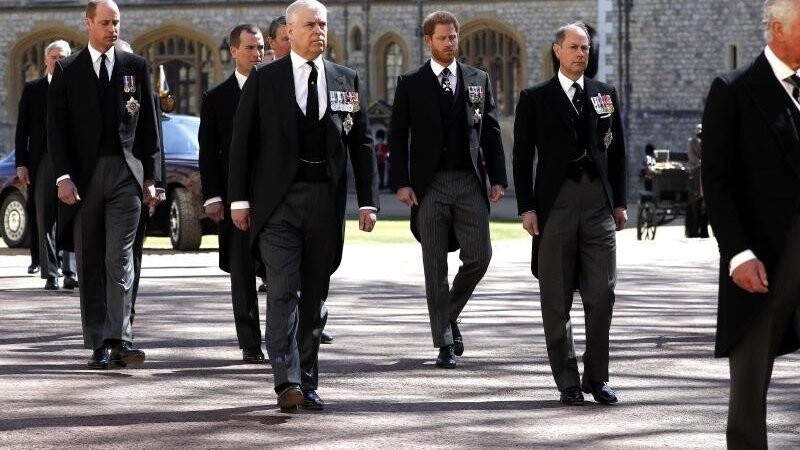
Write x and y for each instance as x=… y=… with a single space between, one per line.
x=751 y=276
x=148 y=192
x=496 y=193
x=23 y=175
x=530 y=222
x=406 y=195
x=366 y=220
x=215 y=211
x=241 y=218
x=67 y=192
x=620 y=218
x=160 y=196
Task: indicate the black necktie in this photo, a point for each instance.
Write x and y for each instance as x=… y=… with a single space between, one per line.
x=447 y=89
x=794 y=80
x=312 y=101
x=104 y=80
x=577 y=98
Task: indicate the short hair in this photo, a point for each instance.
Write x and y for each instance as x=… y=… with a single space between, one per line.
x=783 y=11
x=561 y=32
x=91 y=7
x=59 y=44
x=276 y=23
x=234 y=38
x=313 y=5
x=438 y=18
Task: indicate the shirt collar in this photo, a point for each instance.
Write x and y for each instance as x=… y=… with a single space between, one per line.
x=49 y=78
x=298 y=61
x=240 y=78
x=95 y=54
x=438 y=68
x=779 y=68
x=566 y=83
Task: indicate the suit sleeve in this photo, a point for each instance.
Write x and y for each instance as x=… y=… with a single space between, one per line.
x=524 y=154
x=58 y=123
x=160 y=141
x=147 y=130
x=210 y=142
x=720 y=149
x=398 y=136
x=22 y=153
x=617 y=176
x=362 y=158
x=244 y=139
x=491 y=140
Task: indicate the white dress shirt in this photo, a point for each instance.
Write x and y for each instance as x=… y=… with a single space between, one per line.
x=301 y=71
x=566 y=85
x=438 y=68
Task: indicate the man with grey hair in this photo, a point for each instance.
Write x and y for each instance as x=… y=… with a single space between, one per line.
x=572 y=124
x=751 y=184
x=288 y=183
x=35 y=170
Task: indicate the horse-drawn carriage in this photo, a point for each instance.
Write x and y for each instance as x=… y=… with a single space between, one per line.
x=666 y=195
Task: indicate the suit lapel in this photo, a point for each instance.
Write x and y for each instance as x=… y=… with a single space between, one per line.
x=120 y=68
x=335 y=82
x=558 y=98
x=431 y=84
x=284 y=92
x=91 y=90
x=591 y=90
x=774 y=105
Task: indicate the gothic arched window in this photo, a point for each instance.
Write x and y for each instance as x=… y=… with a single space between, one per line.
x=393 y=63
x=499 y=54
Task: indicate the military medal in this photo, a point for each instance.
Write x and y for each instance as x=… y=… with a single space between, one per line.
x=347 y=124
x=132 y=106
x=602 y=104
x=129 y=84
x=476 y=97
x=608 y=138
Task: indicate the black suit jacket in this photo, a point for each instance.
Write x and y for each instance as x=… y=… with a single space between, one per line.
x=417 y=137
x=751 y=184
x=544 y=128
x=264 y=148
x=214 y=137
x=31 y=135
x=74 y=121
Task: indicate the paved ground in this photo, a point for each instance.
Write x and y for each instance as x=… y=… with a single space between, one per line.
x=378 y=378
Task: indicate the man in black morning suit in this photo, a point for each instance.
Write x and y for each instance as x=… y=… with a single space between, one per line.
x=101 y=130
x=572 y=123
x=298 y=120
x=35 y=169
x=214 y=136
x=751 y=183
x=447 y=109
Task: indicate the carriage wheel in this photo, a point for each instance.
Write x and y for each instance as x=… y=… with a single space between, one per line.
x=646 y=221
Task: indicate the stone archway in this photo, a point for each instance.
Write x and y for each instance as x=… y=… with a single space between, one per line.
x=390 y=55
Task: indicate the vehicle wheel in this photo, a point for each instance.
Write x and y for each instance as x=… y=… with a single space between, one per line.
x=15 y=222
x=646 y=221
x=185 y=232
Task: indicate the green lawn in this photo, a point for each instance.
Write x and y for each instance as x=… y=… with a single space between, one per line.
x=388 y=231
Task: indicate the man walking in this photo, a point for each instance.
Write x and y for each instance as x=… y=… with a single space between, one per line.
x=750 y=170
x=35 y=170
x=572 y=124
x=214 y=137
x=288 y=183
x=448 y=110
x=101 y=130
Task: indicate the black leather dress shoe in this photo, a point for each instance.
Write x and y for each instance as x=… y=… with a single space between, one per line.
x=253 y=355
x=446 y=358
x=70 y=282
x=458 y=341
x=601 y=392
x=290 y=398
x=572 y=396
x=51 y=284
x=99 y=359
x=312 y=401
x=123 y=355
x=33 y=268
x=326 y=338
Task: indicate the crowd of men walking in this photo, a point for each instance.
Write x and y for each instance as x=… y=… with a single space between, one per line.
x=275 y=138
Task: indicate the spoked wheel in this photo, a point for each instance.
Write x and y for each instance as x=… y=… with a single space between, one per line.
x=646 y=221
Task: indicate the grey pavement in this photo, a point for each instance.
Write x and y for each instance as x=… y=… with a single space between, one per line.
x=378 y=378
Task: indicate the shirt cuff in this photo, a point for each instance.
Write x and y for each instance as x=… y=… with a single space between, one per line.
x=62 y=177
x=371 y=208
x=212 y=200
x=244 y=204
x=740 y=259
x=151 y=189
x=529 y=211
